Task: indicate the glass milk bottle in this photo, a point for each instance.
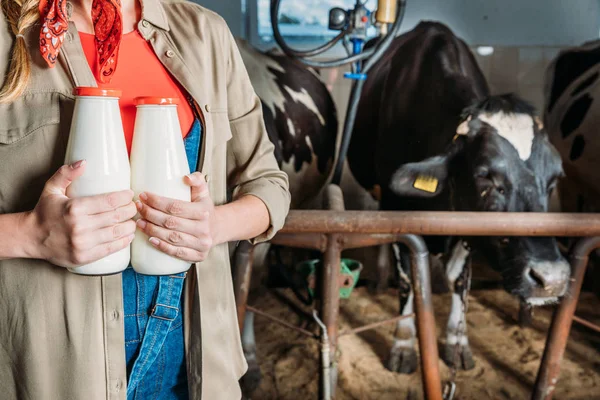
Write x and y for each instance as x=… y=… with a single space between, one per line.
x=158 y=165
x=97 y=136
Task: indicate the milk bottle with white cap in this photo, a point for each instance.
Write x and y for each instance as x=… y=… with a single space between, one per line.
x=97 y=136
x=158 y=165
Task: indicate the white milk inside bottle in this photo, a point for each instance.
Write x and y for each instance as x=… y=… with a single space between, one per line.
x=158 y=165
x=97 y=136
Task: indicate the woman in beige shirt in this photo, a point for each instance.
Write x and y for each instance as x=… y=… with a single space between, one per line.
x=61 y=335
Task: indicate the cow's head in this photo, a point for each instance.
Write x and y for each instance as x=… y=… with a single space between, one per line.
x=499 y=160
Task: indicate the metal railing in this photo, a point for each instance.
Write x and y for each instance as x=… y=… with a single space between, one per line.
x=336 y=230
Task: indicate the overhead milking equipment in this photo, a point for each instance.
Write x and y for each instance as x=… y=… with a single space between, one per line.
x=353 y=25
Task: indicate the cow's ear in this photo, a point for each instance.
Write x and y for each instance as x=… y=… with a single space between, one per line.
x=421 y=179
x=429 y=177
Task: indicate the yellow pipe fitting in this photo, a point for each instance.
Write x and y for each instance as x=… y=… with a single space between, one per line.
x=386 y=11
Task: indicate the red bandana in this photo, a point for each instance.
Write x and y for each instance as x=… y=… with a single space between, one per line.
x=108 y=28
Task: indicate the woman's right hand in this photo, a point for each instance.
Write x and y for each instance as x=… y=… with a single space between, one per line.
x=74 y=232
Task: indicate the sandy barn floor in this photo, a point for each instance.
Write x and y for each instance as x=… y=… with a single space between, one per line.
x=506 y=356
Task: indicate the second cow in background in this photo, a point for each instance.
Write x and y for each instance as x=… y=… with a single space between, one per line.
x=428 y=133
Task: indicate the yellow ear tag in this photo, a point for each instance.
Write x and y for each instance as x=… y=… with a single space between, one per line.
x=426 y=183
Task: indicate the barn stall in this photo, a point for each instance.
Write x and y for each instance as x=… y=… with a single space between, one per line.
x=513 y=43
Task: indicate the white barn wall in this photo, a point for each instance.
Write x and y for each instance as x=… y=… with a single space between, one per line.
x=512 y=22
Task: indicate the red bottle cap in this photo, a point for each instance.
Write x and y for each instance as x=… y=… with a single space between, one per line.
x=94 y=91
x=161 y=101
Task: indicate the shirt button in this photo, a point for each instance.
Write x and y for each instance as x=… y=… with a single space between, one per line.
x=118 y=385
x=114 y=315
x=170 y=53
x=207 y=178
x=145 y=23
x=207 y=108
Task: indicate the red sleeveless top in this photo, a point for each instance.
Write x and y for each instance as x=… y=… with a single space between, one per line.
x=139 y=73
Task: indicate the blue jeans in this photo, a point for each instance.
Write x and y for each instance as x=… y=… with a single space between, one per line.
x=154 y=341
x=154 y=346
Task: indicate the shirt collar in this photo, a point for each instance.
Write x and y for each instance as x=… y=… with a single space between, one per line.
x=153 y=12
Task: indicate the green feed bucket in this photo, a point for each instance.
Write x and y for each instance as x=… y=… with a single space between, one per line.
x=349 y=274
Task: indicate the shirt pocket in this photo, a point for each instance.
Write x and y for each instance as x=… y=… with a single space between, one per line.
x=217 y=138
x=34 y=130
x=29 y=114
x=220 y=124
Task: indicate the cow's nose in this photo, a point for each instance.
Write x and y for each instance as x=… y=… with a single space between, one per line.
x=538 y=278
x=548 y=278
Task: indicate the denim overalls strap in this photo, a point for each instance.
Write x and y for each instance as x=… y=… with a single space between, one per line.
x=167 y=305
x=163 y=314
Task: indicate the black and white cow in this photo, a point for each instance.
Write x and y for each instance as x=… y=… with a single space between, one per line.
x=299 y=115
x=301 y=120
x=430 y=135
x=572 y=114
x=572 y=117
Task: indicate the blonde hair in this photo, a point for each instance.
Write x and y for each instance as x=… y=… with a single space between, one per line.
x=21 y=15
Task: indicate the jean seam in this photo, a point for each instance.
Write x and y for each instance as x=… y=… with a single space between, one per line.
x=176 y=326
x=161 y=373
x=140 y=304
x=169 y=293
x=159 y=334
x=154 y=338
x=136 y=394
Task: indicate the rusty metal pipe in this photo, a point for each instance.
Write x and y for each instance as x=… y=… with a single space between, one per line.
x=587 y=324
x=313 y=241
x=242 y=273
x=334 y=199
x=426 y=331
x=281 y=322
x=330 y=286
x=318 y=241
x=356 y=240
x=374 y=325
x=561 y=323
x=330 y=299
x=325 y=359
x=443 y=223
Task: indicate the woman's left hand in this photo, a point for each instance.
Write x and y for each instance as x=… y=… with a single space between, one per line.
x=185 y=230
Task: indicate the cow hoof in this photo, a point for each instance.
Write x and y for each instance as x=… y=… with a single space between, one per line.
x=251 y=380
x=460 y=357
x=525 y=315
x=403 y=360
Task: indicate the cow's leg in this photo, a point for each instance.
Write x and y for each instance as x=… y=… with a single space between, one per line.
x=403 y=357
x=457 y=351
x=242 y=264
x=251 y=380
x=525 y=314
x=383 y=267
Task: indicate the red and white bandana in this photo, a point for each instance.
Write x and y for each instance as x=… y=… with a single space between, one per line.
x=108 y=29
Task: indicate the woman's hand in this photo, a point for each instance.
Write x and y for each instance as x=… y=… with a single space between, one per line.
x=186 y=230
x=74 y=232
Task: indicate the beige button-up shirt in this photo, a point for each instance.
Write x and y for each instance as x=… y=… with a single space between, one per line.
x=61 y=335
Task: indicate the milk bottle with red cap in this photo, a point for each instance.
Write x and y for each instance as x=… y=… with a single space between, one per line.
x=158 y=165
x=97 y=136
